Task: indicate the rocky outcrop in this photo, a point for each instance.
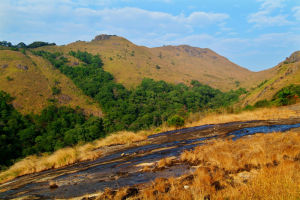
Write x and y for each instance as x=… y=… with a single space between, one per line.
x=64 y=99
x=23 y=67
x=295 y=57
x=4 y=66
x=102 y=37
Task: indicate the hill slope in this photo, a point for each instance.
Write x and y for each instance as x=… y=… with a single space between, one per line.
x=130 y=63
x=34 y=82
x=287 y=72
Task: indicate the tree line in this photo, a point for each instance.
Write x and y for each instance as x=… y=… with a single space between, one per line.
x=56 y=127
x=24 y=46
x=149 y=104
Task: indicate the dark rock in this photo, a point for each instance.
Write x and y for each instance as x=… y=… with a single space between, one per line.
x=52 y=185
x=23 y=67
x=107 y=194
x=89 y=198
x=102 y=37
x=275 y=162
x=297 y=157
x=75 y=63
x=295 y=57
x=4 y=66
x=63 y=98
x=217 y=185
x=132 y=191
x=187 y=180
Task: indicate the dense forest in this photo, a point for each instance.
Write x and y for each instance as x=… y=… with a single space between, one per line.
x=24 y=46
x=54 y=128
x=148 y=105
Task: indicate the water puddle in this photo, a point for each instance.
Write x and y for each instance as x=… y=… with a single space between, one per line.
x=262 y=129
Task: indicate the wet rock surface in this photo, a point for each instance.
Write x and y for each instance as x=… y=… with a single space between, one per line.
x=122 y=166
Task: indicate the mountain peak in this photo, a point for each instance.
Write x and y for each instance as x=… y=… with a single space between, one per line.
x=295 y=57
x=102 y=37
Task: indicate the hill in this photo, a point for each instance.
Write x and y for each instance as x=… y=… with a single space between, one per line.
x=130 y=63
x=35 y=83
x=286 y=73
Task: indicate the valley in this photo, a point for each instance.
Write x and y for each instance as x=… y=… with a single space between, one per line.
x=108 y=119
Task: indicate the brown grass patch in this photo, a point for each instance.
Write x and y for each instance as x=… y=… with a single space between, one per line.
x=67 y=156
x=274 y=113
x=263 y=166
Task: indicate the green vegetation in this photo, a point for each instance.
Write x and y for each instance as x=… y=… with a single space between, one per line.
x=150 y=104
x=55 y=90
x=176 y=121
x=262 y=103
x=39 y=44
x=286 y=96
x=262 y=83
x=54 y=128
x=9 y=78
x=22 y=45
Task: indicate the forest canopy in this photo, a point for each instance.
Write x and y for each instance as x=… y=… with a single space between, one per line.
x=148 y=105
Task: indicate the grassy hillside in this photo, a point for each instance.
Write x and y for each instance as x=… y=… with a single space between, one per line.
x=35 y=83
x=130 y=63
x=287 y=73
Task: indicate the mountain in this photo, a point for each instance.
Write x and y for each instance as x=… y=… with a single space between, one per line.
x=286 y=73
x=34 y=83
x=130 y=63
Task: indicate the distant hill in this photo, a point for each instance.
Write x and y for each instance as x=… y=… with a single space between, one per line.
x=130 y=63
x=34 y=83
x=286 y=73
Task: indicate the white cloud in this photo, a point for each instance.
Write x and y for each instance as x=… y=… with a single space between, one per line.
x=263 y=18
x=59 y=18
x=266 y=17
x=296 y=11
x=271 y=4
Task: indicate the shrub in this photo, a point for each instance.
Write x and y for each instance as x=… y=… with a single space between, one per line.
x=262 y=103
x=55 y=90
x=287 y=95
x=176 y=121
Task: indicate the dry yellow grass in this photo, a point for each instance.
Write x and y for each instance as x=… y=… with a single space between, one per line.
x=255 y=151
x=278 y=183
x=286 y=74
x=263 y=166
x=32 y=85
x=122 y=137
x=69 y=155
x=274 y=113
x=130 y=63
x=60 y=158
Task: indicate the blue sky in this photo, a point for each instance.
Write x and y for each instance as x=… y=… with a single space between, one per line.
x=256 y=34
